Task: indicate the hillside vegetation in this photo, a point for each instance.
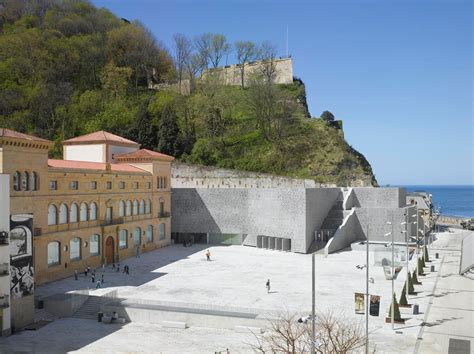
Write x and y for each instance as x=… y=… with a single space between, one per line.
x=68 y=68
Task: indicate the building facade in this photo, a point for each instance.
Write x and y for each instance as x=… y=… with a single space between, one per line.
x=4 y=255
x=107 y=200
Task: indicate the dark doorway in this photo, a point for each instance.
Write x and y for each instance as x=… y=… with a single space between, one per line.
x=109 y=250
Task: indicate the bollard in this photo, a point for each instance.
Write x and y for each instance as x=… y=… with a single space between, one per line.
x=437 y=255
x=432 y=268
x=416 y=310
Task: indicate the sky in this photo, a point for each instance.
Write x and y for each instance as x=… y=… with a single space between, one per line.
x=397 y=72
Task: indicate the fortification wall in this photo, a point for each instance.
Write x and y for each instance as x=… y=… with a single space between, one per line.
x=196 y=176
x=231 y=74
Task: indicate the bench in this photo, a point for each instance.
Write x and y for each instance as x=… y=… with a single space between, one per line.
x=174 y=324
x=247 y=329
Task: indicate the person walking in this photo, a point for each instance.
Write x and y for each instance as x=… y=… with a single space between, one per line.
x=75 y=275
x=268 y=286
x=97 y=285
x=85 y=272
x=127 y=269
x=102 y=279
x=208 y=255
x=118 y=267
x=138 y=251
x=93 y=278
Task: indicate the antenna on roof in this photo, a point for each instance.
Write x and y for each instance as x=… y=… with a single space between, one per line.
x=287 y=41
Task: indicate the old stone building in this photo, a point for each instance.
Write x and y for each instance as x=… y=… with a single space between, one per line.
x=105 y=201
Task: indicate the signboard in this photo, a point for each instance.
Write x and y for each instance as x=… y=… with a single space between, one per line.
x=359 y=303
x=21 y=255
x=374 y=305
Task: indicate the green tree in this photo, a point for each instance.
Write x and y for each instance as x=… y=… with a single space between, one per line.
x=327 y=116
x=115 y=80
x=414 y=277
x=169 y=139
x=411 y=288
x=403 y=297
x=396 y=309
x=246 y=52
x=425 y=254
x=420 y=267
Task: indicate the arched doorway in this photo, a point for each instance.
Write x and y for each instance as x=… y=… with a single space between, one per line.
x=109 y=250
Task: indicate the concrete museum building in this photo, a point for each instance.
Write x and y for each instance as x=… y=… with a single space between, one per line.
x=105 y=201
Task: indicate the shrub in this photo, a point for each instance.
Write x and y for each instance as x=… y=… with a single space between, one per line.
x=396 y=310
x=403 y=296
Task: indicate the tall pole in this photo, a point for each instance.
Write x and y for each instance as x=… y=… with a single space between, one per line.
x=417 y=226
x=393 y=285
x=367 y=296
x=313 y=308
x=406 y=240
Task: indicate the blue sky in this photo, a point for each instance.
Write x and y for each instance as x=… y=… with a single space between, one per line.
x=398 y=73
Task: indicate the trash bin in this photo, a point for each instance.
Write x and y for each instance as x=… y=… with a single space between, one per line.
x=437 y=255
x=99 y=316
x=416 y=309
x=432 y=268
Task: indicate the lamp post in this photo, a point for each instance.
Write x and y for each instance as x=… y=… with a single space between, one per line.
x=313 y=306
x=393 y=285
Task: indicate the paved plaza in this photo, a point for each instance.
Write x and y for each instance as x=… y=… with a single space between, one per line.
x=235 y=278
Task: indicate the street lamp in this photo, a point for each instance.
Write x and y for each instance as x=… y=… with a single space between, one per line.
x=393 y=285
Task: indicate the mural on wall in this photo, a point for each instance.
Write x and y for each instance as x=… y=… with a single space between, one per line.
x=21 y=255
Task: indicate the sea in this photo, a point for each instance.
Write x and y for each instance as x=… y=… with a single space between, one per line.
x=450 y=200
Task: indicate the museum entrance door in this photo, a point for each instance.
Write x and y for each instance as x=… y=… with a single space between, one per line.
x=109 y=250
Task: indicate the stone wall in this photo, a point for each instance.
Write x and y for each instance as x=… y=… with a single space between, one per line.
x=274 y=212
x=198 y=176
x=231 y=74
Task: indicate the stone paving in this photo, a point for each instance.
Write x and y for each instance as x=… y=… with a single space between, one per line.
x=236 y=277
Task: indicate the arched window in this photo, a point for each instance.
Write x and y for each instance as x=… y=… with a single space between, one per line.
x=129 y=208
x=135 y=207
x=75 y=249
x=137 y=236
x=53 y=253
x=73 y=213
x=63 y=214
x=121 y=208
x=83 y=212
x=52 y=215
x=141 y=210
x=123 y=238
x=93 y=211
x=25 y=181
x=162 y=231
x=149 y=234
x=34 y=181
x=162 y=206
x=148 y=206
x=16 y=181
x=94 y=245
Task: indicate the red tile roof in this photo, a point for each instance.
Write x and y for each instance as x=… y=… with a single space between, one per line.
x=143 y=154
x=8 y=133
x=100 y=137
x=97 y=166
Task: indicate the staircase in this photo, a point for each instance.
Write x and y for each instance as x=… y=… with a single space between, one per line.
x=89 y=309
x=333 y=220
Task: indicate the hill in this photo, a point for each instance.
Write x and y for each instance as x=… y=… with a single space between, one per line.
x=68 y=68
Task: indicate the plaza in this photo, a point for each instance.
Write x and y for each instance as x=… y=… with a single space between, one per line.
x=181 y=277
